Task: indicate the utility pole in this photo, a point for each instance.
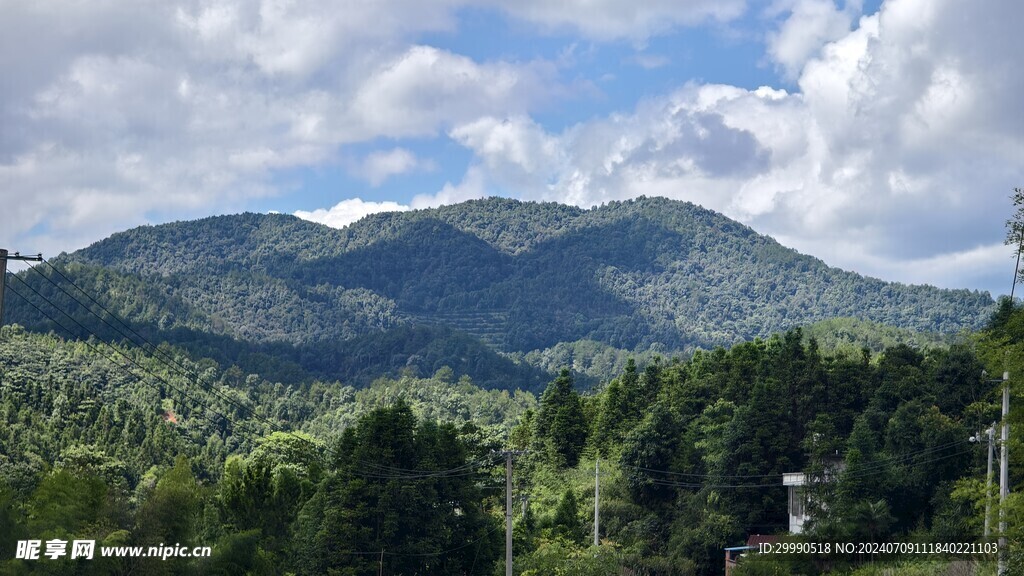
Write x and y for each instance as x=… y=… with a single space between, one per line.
x=4 y=257
x=508 y=454
x=508 y=513
x=990 y=433
x=1004 y=474
x=597 y=492
x=988 y=482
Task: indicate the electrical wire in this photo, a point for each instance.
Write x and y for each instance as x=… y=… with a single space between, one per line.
x=852 y=476
x=384 y=472
x=378 y=471
x=385 y=552
x=390 y=473
x=168 y=360
x=153 y=350
x=124 y=367
x=406 y=474
x=882 y=462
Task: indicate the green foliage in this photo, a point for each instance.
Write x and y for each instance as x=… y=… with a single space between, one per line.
x=561 y=557
x=620 y=408
x=372 y=499
x=590 y=361
x=238 y=554
x=772 y=565
x=911 y=568
x=850 y=336
x=265 y=491
x=566 y=523
x=168 y=515
x=258 y=450
x=88 y=450
x=561 y=427
x=552 y=285
x=65 y=504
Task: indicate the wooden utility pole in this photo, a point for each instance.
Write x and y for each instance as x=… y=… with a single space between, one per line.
x=4 y=257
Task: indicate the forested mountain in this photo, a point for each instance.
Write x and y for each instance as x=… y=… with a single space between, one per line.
x=133 y=448
x=126 y=448
x=458 y=285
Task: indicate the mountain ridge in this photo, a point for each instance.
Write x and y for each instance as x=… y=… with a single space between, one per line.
x=516 y=276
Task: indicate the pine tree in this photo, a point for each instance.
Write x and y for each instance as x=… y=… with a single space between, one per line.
x=561 y=422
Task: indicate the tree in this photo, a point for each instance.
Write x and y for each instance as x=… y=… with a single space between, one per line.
x=170 y=513
x=403 y=488
x=561 y=421
x=566 y=522
x=266 y=490
x=66 y=503
x=1015 y=228
x=652 y=446
x=871 y=521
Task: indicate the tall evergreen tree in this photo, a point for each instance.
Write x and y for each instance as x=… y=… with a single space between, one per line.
x=561 y=423
x=401 y=490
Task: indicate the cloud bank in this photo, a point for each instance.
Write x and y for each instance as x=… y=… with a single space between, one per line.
x=891 y=151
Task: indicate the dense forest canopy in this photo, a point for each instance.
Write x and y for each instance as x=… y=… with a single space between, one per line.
x=313 y=479
x=314 y=401
x=494 y=289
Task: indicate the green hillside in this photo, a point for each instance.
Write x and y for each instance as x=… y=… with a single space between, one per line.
x=485 y=276
x=282 y=479
x=850 y=336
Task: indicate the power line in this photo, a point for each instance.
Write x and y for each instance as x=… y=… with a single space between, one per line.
x=168 y=360
x=110 y=358
x=381 y=472
x=4 y=257
x=427 y=554
x=406 y=474
x=165 y=359
x=467 y=469
x=852 y=476
x=881 y=462
x=161 y=357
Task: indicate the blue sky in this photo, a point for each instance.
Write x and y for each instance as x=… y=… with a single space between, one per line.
x=883 y=137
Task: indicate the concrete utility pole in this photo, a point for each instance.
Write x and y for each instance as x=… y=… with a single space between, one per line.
x=4 y=257
x=1004 y=474
x=988 y=482
x=508 y=454
x=597 y=492
x=991 y=434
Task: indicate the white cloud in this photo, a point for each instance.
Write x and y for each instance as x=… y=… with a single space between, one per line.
x=989 y=264
x=184 y=108
x=889 y=159
x=810 y=25
x=425 y=87
x=472 y=186
x=679 y=141
x=381 y=165
x=902 y=135
x=348 y=211
x=516 y=141
x=119 y=113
